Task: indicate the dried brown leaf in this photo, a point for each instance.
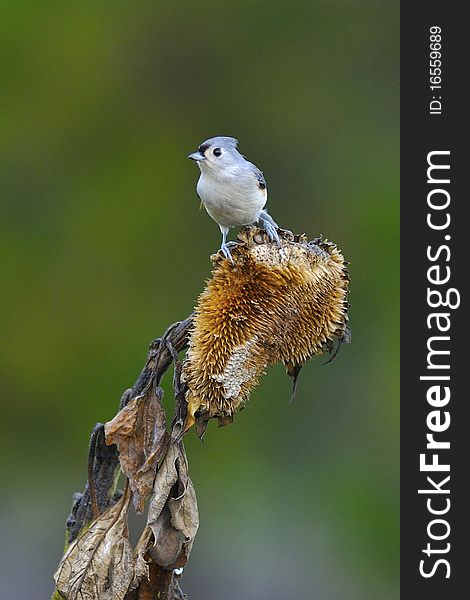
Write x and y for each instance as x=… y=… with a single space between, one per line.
x=173 y=515
x=141 y=566
x=139 y=431
x=99 y=564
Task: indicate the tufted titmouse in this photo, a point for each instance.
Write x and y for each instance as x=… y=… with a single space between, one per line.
x=232 y=189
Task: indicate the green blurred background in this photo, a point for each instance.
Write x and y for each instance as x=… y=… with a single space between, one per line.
x=103 y=246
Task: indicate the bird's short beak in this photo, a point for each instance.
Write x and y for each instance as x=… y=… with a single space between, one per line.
x=197 y=156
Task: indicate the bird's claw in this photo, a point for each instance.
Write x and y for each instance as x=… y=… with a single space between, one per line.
x=226 y=252
x=272 y=232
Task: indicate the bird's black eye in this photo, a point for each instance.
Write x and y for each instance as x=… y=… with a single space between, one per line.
x=217 y=152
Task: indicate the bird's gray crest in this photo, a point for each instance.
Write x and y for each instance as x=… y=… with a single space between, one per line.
x=221 y=140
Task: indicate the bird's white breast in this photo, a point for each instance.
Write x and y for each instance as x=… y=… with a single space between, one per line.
x=232 y=200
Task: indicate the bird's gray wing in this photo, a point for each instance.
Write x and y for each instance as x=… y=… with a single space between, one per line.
x=260 y=178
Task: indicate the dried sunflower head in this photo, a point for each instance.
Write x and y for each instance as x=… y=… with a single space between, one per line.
x=272 y=304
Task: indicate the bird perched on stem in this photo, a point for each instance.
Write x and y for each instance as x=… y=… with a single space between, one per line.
x=232 y=189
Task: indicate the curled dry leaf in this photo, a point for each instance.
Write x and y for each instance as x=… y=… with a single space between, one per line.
x=173 y=514
x=99 y=564
x=139 y=432
x=141 y=567
x=273 y=304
